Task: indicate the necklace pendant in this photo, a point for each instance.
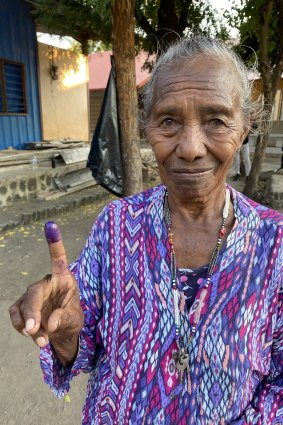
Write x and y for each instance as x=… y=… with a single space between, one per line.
x=181 y=358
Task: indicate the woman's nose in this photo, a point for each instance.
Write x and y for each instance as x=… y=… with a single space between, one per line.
x=191 y=143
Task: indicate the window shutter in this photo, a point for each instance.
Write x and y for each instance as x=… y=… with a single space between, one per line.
x=12 y=88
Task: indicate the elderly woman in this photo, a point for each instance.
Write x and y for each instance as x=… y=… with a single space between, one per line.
x=180 y=313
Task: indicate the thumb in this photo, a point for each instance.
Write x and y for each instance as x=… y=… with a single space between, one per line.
x=59 y=263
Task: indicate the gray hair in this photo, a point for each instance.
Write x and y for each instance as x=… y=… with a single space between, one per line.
x=190 y=49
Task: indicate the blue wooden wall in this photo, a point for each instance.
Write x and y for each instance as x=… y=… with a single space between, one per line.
x=18 y=43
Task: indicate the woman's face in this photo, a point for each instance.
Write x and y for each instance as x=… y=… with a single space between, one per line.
x=195 y=127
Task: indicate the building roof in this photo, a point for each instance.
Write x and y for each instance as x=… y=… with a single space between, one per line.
x=100 y=65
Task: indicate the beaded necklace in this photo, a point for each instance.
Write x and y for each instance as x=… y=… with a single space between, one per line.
x=181 y=357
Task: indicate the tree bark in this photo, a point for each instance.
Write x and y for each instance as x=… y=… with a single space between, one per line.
x=123 y=45
x=259 y=154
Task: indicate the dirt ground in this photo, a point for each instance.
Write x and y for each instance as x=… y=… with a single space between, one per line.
x=25 y=399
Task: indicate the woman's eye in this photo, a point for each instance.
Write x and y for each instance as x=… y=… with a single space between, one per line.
x=217 y=126
x=216 y=123
x=167 y=122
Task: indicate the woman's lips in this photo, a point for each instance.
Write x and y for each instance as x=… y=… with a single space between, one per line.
x=192 y=173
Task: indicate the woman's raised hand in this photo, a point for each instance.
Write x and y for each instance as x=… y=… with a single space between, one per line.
x=50 y=311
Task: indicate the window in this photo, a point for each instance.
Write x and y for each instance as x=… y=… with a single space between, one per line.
x=12 y=88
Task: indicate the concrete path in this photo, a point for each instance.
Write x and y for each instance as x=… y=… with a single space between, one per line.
x=30 y=211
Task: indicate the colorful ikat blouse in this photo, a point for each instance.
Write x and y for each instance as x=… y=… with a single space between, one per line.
x=128 y=339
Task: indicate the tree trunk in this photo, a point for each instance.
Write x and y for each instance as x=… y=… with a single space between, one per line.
x=270 y=78
x=251 y=185
x=167 y=31
x=253 y=178
x=124 y=56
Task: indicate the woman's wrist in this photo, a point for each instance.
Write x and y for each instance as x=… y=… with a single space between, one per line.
x=66 y=348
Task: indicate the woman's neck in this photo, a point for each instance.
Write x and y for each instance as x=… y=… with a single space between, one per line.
x=198 y=210
x=196 y=225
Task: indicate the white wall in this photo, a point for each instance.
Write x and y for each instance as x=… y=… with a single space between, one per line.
x=64 y=102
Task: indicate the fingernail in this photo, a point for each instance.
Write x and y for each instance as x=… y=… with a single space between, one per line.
x=41 y=341
x=52 y=232
x=30 y=324
x=25 y=332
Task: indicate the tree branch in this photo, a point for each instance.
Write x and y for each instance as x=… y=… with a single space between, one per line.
x=143 y=23
x=264 y=62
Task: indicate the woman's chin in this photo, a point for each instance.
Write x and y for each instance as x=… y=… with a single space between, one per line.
x=194 y=190
x=192 y=185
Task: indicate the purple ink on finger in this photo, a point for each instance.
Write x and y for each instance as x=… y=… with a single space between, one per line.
x=52 y=232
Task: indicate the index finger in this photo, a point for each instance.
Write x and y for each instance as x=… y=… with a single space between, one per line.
x=59 y=263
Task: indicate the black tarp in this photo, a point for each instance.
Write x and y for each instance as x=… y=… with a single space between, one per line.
x=105 y=159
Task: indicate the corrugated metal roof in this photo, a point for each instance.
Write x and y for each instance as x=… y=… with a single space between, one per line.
x=99 y=69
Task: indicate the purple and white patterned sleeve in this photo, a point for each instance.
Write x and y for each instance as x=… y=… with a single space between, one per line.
x=87 y=271
x=266 y=408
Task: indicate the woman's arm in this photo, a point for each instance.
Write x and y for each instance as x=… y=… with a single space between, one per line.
x=87 y=271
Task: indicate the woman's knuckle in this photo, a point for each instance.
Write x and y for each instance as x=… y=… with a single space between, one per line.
x=13 y=309
x=27 y=303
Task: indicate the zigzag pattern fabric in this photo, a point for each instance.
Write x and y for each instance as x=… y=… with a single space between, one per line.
x=236 y=356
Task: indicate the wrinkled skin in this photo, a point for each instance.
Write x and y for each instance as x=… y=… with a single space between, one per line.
x=195 y=129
